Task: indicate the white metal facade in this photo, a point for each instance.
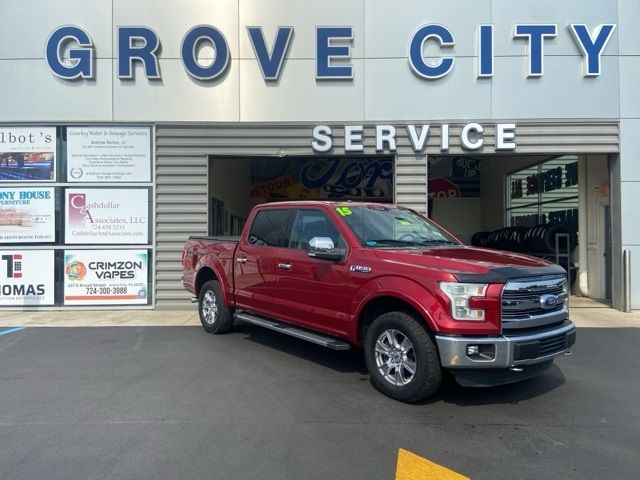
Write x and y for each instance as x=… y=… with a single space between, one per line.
x=240 y=113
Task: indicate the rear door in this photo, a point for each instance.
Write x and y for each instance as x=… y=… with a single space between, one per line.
x=314 y=293
x=256 y=271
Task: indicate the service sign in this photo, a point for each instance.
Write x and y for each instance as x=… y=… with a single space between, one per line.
x=106 y=277
x=26 y=278
x=27 y=215
x=109 y=154
x=106 y=216
x=27 y=154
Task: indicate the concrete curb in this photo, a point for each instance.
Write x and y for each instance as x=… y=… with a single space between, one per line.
x=584 y=313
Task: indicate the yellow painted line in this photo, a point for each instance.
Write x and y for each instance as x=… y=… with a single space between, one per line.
x=413 y=467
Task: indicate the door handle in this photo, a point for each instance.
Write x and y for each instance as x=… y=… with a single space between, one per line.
x=284 y=266
x=241 y=259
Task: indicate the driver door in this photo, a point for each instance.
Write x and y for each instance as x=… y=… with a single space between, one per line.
x=314 y=293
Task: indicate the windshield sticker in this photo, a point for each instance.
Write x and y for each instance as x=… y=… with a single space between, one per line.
x=344 y=211
x=372 y=243
x=405 y=222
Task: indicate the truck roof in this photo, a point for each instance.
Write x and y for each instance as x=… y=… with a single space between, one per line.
x=330 y=203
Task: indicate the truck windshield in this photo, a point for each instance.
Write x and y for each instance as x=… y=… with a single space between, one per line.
x=379 y=226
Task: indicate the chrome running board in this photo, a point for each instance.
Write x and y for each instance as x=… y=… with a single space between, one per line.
x=313 y=337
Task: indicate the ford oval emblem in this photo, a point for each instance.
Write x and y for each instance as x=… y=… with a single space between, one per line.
x=549 y=301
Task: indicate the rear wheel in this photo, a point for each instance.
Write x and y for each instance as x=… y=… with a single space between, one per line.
x=401 y=357
x=215 y=316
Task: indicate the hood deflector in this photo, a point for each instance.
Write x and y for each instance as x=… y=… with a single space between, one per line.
x=504 y=274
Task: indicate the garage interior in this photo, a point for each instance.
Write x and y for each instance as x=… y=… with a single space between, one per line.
x=529 y=199
x=520 y=203
x=237 y=184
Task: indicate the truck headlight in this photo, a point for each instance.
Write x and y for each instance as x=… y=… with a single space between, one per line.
x=460 y=295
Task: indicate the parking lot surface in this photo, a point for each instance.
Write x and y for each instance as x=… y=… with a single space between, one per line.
x=177 y=403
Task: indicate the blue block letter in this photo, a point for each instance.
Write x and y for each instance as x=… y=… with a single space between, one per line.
x=416 y=59
x=536 y=35
x=137 y=43
x=485 y=51
x=81 y=59
x=326 y=51
x=591 y=49
x=270 y=63
x=189 y=48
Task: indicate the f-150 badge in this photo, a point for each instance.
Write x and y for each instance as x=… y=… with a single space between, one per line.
x=360 y=269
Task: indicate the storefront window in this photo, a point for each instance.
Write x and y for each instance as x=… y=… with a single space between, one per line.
x=545 y=193
x=76 y=215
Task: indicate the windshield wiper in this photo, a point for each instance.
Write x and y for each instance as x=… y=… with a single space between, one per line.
x=430 y=242
x=397 y=242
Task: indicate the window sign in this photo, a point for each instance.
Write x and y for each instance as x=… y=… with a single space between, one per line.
x=544 y=193
x=27 y=154
x=27 y=215
x=106 y=216
x=109 y=154
x=106 y=277
x=26 y=278
x=317 y=178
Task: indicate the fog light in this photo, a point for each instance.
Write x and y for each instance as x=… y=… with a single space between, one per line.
x=483 y=352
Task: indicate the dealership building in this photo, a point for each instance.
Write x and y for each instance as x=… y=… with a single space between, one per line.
x=128 y=126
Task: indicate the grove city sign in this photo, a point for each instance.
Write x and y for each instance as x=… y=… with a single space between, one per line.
x=70 y=52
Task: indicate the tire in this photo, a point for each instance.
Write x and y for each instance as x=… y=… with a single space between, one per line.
x=215 y=316
x=427 y=375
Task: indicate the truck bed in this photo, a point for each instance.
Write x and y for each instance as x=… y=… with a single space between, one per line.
x=232 y=239
x=216 y=252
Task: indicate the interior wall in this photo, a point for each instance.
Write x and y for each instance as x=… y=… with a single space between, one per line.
x=460 y=216
x=230 y=182
x=596 y=191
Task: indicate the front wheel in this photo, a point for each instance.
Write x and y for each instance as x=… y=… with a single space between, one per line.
x=402 y=358
x=215 y=316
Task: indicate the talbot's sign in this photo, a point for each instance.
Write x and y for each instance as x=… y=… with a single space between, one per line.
x=333 y=50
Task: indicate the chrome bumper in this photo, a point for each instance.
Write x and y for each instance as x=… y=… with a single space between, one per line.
x=510 y=350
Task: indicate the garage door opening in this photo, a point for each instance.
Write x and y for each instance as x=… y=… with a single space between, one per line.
x=553 y=207
x=237 y=184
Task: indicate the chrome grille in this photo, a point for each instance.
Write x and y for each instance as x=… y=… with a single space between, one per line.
x=534 y=302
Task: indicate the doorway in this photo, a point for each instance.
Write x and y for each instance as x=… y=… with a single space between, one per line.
x=555 y=207
x=237 y=184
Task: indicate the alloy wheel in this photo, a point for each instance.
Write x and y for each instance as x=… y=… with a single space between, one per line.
x=395 y=357
x=209 y=307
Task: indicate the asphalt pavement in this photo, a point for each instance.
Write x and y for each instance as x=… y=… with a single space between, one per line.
x=178 y=403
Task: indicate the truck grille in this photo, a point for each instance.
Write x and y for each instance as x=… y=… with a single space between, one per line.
x=534 y=303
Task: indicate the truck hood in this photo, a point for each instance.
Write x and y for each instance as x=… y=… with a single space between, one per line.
x=467 y=262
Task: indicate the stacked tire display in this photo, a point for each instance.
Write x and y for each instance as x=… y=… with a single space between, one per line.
x=539 y=239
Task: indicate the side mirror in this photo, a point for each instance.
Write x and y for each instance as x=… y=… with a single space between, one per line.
x=324 y=249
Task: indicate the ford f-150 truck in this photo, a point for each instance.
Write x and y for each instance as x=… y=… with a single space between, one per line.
x=388 y=279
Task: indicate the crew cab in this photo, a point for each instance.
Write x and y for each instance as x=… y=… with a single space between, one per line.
x=388 y=279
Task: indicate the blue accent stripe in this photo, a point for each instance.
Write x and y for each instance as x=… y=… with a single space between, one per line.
x=11 y=330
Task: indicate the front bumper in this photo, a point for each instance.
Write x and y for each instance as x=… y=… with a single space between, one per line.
x=508 y=350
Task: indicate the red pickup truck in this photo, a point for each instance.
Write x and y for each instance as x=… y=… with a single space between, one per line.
x=385 y=278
